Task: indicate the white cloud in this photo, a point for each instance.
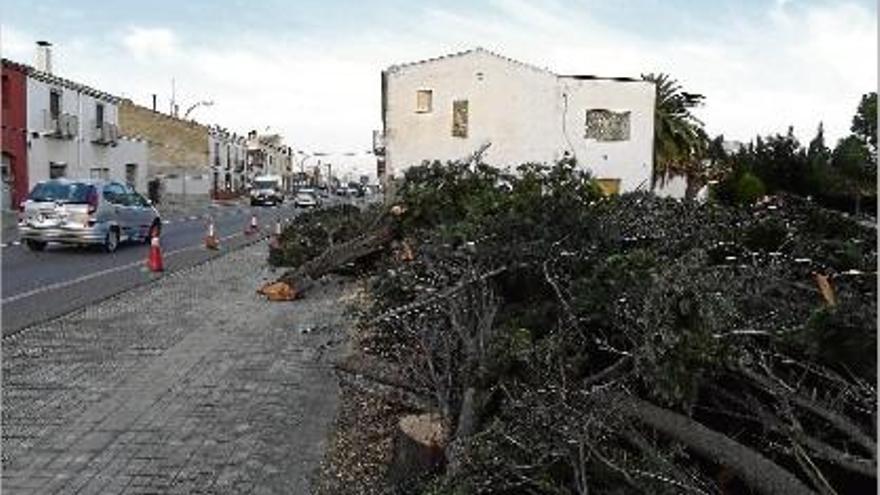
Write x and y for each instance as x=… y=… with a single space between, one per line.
x=150 y=43
x=794 y=65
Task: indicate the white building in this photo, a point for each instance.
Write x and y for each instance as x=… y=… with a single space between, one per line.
x=449 y=107
x=268 y=155
x=73 y=131
x=227 y=155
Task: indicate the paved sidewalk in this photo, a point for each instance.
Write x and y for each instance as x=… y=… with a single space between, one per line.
x=193 y=384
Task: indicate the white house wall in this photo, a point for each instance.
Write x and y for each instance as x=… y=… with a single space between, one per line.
x=528 y=114
x=630 y=160
x=79 y=153
x=512 y=106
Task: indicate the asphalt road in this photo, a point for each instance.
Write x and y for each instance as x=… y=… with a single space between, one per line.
x=40 y=286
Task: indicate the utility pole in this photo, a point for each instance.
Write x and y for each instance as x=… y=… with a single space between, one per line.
x=173 y=101
x=330 y=177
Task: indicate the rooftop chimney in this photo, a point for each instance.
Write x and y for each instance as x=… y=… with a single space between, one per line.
x=44 y=56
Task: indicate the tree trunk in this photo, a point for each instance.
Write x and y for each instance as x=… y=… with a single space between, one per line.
x=758 y=472
x=693 y=184
x=465 y=427
x=418 y=447
x=335 y=257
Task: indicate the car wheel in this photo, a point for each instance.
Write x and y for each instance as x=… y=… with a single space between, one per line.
x=111 y=242
x=35 y=245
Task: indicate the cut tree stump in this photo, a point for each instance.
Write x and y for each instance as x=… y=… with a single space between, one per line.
x=419 y=443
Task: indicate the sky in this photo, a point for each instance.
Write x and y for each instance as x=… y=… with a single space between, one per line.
x=310 y=69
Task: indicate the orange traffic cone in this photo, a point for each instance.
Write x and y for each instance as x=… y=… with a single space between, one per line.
x=211 y=241
x=154 y=262
x=252 y=227
x=275 y=241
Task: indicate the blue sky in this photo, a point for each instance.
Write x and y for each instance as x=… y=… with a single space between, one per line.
x=310 y=69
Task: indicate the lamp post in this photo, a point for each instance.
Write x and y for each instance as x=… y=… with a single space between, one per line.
x=305 y=158
x=205 y=103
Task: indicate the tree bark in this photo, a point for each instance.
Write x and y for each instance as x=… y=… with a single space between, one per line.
x=692 y=186
x=758 y=472
x=418 y=447
x=335 y=257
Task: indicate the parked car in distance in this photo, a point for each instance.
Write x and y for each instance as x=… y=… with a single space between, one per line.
x=305 y=200
x=349 y=192
x=86 y=212
x=266 y=190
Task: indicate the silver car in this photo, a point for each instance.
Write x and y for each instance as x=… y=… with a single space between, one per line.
x=305 y=200
x=96 y=212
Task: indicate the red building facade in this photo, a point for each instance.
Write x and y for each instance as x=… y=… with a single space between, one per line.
x=13 y=142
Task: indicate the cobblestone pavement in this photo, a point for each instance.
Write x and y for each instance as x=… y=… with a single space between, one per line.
x=190 y=385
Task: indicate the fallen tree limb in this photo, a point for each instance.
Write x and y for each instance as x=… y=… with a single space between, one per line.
x=390 y=393
x=376 y=370
x=840 y=422
x=335 y=257
x=443 y=294
x=760 y=473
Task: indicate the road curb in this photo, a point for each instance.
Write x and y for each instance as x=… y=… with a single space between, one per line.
x=247 y=241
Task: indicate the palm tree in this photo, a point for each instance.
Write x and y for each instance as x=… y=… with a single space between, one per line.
x=680 y=143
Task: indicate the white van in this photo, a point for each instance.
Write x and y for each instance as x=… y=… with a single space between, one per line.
x=267 y=190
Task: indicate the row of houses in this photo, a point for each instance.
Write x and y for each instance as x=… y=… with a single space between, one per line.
x=54 y=127
x=451 y=107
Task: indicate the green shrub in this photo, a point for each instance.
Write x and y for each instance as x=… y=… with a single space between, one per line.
x=749 y=188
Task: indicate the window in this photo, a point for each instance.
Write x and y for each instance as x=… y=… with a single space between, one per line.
x=131 y=173
x=605 y=125
x=424 y=100
x=99 y=115
x=135 y=199
x=73 y=192
x=609 y=186
x=57 y=170
x=99 y=173
x=55 y=103
x=115 y=194
x=460 y=118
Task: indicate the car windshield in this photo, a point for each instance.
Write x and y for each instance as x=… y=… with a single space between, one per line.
x=304 y=196
x=61 y=192
x=264 y=184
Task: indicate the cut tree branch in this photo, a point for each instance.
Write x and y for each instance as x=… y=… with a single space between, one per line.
x=760 y=473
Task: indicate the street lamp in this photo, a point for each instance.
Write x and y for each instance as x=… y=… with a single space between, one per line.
x=206 y=103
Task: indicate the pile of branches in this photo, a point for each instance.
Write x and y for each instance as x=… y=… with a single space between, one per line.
x=572 y=343
x=314 y=232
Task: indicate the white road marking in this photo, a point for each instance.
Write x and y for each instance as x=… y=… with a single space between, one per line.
x=16 y=243
x=67 y=283
x=166 y=222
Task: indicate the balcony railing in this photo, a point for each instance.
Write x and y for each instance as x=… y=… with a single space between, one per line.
x=107 y=134
x=60 y=126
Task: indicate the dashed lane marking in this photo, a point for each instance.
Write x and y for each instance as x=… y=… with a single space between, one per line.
x=67 y=283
